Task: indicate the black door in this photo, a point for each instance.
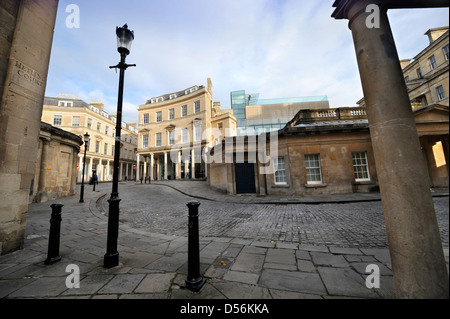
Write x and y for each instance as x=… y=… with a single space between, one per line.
x=245 y=178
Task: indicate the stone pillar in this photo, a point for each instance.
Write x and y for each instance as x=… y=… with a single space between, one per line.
x=418 y=262
x=73 y=174
x=145 y=167
x=152 y=162
x=138 y=167
x=108 y=170
x=186 y=168
x=80 y=165
x=445 y=147
x=26 y=36
x=192 y=164
x=165 y=166
x=205 y=151
x=91 y=165
x=100 y=170
x=178 y=175
x=42 y=196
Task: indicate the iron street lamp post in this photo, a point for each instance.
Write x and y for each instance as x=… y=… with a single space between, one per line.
x=124 y=39
x=86 y=141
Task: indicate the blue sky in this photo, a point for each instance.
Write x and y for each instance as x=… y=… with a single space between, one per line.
x=288 y=48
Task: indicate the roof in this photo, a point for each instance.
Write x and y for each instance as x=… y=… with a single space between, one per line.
x=333 y=123
x=174 y=95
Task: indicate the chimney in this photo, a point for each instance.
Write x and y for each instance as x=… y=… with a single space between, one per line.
x=404 y=63
x=98 y=104
x=434 y=34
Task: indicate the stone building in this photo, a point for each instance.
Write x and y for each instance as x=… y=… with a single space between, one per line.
x=426 y=75
x=26 y=36
x=326 y=151
x=177 y=129
x=71 y=114
x=56 y=166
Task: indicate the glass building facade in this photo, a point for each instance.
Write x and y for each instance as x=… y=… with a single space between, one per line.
x=246 y=126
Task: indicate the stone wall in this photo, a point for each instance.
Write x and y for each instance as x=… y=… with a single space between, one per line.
x=56 y=166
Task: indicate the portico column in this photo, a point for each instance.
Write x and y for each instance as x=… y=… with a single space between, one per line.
x=108 y=170
x=100 y=170
x=178 y=165
x=192 y=164
x=165 y=166
x=152 y=163
x=91 y=165
x=206 y=161
x=80 y=165
x=138 y=167
x=145 y=167
x=415 y=246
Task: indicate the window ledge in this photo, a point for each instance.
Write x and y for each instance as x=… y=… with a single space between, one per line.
x=363 y=183
x=281 y=186
x=316 y=185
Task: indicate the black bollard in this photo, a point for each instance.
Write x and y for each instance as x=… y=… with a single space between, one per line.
x=54 y=237
x=194 y=281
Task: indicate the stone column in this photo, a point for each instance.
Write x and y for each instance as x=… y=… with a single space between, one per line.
x=178 y=165
x=26 y=36
x=80 y=165
x=418 y=262
x=100 y=170
x=192 y=164
x=165 y=166
x=138 y=167
x=45 y=171
x=91 y=165
x=206 y=161
x=152 y=162
x=108 y=170
x=145 y=167
x=186 y=167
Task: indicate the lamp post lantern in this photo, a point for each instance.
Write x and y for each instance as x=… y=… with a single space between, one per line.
x=86 y=142
x=124 y=39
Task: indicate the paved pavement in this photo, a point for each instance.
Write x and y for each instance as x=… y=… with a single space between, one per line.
x=251 y=247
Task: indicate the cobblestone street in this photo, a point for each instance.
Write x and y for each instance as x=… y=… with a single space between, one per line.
x=162 y=209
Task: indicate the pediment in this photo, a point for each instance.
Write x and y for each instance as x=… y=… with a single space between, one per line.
x=436 y=113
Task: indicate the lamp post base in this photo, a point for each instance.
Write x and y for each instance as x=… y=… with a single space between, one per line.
x=111 y=260
x=195 y=284
x=51 y=261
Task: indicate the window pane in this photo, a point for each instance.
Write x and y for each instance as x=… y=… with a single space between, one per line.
x=197 y=107
x=280 y=174
x=360 y=166
x=313 y=170
x=158 y=139
x=57 y=120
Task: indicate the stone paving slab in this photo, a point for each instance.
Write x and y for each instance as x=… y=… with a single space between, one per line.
x=345 y=282
x=292 y=281
x=122 y=284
